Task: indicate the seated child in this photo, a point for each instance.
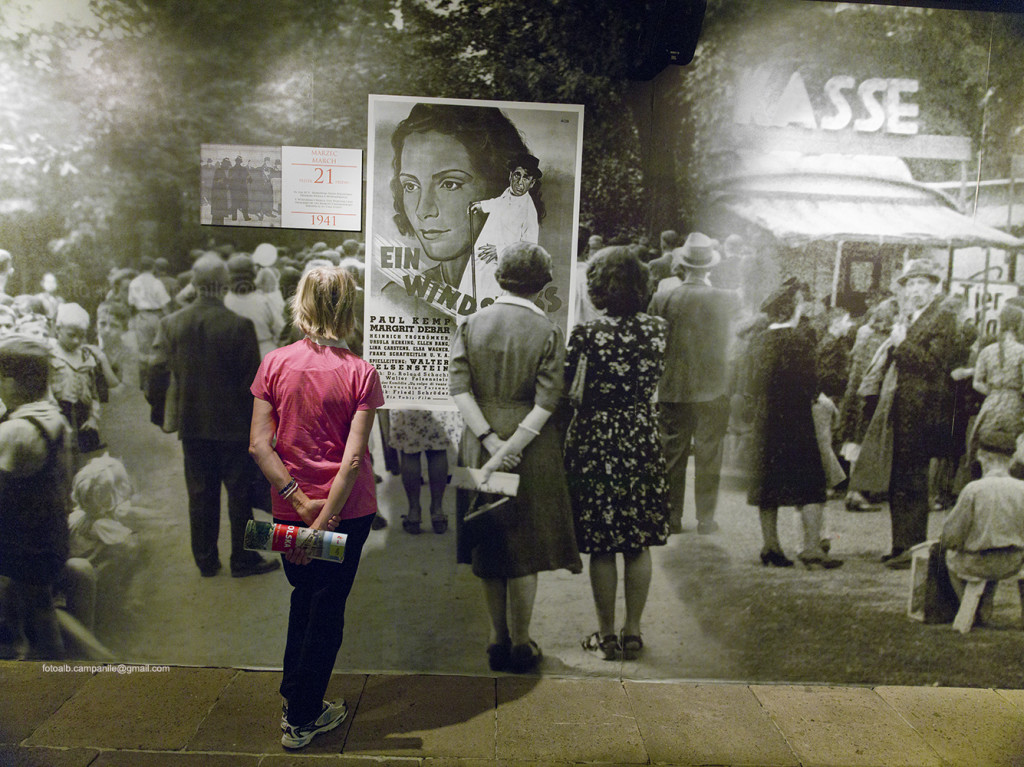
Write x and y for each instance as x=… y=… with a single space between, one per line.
x=984 y=534
x=34 y=494
x=100 y=543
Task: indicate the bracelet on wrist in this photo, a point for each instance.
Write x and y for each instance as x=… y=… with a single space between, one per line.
x=288 y=489
x=485 y=435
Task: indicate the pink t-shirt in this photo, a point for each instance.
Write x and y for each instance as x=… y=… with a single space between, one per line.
x=315 y=392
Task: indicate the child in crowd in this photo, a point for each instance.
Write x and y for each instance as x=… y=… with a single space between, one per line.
x=98 y=535
x=984 y=534
x=34 y=325
x=34 y=492
x=74 y=379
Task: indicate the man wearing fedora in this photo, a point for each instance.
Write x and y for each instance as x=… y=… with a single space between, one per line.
x=928 y=345
x=693 y=397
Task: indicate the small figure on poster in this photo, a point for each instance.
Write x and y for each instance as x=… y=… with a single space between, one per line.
x=511 y=217
x=239 y=181
x=220 y=195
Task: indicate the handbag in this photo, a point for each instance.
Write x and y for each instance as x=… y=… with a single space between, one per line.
x=488 y=515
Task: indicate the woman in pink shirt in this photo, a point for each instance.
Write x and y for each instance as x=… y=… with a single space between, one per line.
x=312 y=415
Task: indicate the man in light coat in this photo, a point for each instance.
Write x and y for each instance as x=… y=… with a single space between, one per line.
x=693 y=399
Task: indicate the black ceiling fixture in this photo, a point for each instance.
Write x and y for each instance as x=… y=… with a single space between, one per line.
x=667 y=34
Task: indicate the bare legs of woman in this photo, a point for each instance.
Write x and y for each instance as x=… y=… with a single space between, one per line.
x=437 y=473
x=510 y=607
x=604 y=581
x=410 y=466
x=814 y=557
x=771 y=550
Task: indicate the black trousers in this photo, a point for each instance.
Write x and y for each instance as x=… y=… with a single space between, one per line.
x=316 y=621
x=913 y=444
x=209 y=464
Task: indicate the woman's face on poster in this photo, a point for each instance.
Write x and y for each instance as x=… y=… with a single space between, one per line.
x=438 y=183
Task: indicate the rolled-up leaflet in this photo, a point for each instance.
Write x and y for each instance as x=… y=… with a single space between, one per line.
x=318 y=544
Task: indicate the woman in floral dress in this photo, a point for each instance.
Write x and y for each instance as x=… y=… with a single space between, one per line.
x=613 y=457
x=999 y=376
x=423 y=431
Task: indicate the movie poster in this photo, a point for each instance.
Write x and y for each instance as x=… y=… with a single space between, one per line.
x=450 y=184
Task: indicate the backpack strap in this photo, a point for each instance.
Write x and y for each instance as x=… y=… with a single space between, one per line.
x=52 y=444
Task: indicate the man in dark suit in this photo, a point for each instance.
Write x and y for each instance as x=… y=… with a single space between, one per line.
x=213 y=355
x=693 y=397
x=928 y=345
x=239 y=181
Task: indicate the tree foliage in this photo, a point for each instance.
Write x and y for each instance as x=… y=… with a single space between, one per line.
x=102 y=121
x=963 y=91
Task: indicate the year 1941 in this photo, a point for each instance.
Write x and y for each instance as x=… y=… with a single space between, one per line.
x=320 y=219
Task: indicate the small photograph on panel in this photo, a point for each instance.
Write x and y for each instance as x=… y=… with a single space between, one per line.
x=240 y=185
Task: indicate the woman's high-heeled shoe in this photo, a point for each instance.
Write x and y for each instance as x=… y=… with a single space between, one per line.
x=775 y=558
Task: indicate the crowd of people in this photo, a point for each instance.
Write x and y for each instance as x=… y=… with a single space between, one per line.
x=59 y=366
x=254 y=359
x=892 y=407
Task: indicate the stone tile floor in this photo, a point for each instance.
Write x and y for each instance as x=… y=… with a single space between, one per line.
x=212 y=717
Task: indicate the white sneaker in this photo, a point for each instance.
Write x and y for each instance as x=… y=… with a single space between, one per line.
x=284 y=714
x=297 y=736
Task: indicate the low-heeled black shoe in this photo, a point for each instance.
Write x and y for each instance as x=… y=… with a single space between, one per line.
x=894 y=554
x=524 y=657
x=901 y=561
x=499 y=656
x=775 y=558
